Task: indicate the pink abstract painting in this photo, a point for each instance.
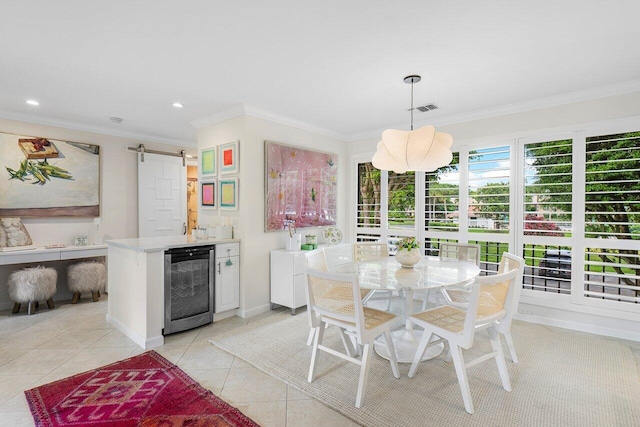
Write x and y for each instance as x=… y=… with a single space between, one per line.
x=301 y=187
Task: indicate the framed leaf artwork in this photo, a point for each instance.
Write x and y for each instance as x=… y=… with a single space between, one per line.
x=45 y=177
x=229 y=158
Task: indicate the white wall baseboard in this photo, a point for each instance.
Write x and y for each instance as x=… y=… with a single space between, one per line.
x=140 y=341
x=582 y=322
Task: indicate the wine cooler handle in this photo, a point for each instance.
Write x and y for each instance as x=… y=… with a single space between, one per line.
x=219 y=268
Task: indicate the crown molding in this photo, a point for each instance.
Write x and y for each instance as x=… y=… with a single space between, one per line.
x=251 y=110
x=228 y=114
x=520 y=107
x=68 y=124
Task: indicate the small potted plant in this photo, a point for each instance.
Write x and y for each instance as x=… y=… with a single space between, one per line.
x=408 y=253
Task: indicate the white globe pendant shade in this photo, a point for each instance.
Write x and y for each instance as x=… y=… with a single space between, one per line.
x=422 y=149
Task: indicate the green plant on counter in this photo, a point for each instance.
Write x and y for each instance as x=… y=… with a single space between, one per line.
x=41 y=171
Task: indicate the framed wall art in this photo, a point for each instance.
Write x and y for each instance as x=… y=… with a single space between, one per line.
x=228 y=193
x=208 y=161
x=229 y=158
x=208 y=194
x=301 y=187
x=44 y=177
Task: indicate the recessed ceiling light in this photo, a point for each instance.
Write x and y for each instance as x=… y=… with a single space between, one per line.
x=32 y=102
x=178 y=104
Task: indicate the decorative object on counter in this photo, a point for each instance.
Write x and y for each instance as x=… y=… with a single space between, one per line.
x=301 y=185
x=311 y=239
x=149 y=389
x=88 y=276
x=31 y=285
x=229 y=158
x=294 y=241
x=80 y=241
x=208 y=195
x=220 y=232
x=200 y=233
x=408 y=253
x=332 y=235
x=208 y=161
x=228 y=193
x=13 y=233
x=67 y=175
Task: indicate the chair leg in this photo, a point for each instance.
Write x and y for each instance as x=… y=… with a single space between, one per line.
x=312 y=333
x=392 y=353
x=95 y=295
x=512 y=348
x=364 y=374
x=76 y=297
x=494 y=337
x=314 y=355
x=426 y=337
x=16 y=308
x=461 y=372
x=347 y=343
x=32 y=308
x=50 y=304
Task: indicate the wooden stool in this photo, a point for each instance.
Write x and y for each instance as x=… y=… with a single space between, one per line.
x=86 y=276
x=30 y=285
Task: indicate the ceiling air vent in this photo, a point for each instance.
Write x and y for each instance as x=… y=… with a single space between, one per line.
x=428 y=107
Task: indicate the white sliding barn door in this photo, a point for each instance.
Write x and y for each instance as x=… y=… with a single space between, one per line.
x=162 y=196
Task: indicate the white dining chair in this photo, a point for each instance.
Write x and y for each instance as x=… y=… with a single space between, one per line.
x=335 y=299
x=450 y=251
x=317 y=260
x=371 y=251
x=460 y=298
x=488 y=299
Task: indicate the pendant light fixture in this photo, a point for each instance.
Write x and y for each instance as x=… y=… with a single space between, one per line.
x=422 y=149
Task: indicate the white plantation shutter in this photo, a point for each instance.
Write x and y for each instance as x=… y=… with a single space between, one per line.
x=612 y=216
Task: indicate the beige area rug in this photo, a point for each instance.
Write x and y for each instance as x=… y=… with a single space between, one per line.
x=563 y=379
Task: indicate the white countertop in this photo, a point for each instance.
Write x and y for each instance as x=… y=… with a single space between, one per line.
x=153 y=244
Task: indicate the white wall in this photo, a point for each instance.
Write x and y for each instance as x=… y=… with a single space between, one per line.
x=255 y=243
x=118 y=195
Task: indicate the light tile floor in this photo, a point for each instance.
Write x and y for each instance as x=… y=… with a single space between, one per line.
x=54 y=344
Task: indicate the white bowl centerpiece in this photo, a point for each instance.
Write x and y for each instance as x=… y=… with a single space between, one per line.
x=408 y=253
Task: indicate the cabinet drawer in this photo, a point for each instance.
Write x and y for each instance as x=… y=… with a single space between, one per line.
x=225 y=250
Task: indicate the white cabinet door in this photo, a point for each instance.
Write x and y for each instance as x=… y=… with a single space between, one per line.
x=227 y=277
x=162 y=196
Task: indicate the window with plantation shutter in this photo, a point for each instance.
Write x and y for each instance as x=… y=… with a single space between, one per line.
x=368 y=196
x=489 y=179
x=612 y=217
x=401 y=198
x=442 y=197
x=547 y=199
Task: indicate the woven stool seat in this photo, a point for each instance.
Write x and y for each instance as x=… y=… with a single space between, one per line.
x=86 y=276
x=31 y=285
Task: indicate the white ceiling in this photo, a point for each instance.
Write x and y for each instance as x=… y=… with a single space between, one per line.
x=334 y=64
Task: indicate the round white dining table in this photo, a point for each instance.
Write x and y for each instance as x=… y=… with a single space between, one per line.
x=429 y=273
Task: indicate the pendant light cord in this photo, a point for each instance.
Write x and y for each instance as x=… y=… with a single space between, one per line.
x=411 y=104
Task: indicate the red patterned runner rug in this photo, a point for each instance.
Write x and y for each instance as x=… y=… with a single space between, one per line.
x=145 y=390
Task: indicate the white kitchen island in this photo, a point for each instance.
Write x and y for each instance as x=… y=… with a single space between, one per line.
x=136 y=284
